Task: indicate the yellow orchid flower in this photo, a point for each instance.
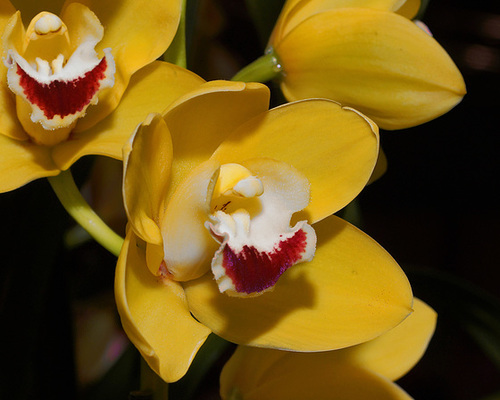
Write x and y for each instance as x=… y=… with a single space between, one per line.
x=231 y=232
x=366 y=54
x=365 y=371
x=79 y=79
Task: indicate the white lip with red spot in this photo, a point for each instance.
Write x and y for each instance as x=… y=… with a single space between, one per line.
x=252 y=223
x=60 y=91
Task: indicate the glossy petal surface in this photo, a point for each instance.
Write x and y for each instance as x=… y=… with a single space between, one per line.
x=201 y=120
x=332 y=132
x=23 y=162
x=397 y=351
x=147 y=161
x=151 y=89
x=303 y=9
x=377 y=62
x=265 y=374
x=154 y=314
x=351 y=292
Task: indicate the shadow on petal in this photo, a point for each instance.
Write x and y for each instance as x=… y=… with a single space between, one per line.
x=262 y=320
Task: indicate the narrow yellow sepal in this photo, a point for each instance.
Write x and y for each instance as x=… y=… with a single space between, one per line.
x=154 y=314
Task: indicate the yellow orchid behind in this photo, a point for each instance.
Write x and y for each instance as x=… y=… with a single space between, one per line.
x=365 y=371
x=231 y=229
x=366 y=54
x=79 y=78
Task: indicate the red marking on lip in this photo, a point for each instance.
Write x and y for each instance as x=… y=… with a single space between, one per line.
x=60 y=97
x=253 y=271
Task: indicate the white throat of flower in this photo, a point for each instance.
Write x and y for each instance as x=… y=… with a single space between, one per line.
x=251 y=212
x=59 y=89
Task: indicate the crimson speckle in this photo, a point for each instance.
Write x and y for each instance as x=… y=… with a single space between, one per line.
x=60 y=97
x=253 y=271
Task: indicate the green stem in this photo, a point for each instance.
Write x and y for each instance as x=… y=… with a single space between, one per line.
x=70 y=197
x=262 y=70
x=176 y=52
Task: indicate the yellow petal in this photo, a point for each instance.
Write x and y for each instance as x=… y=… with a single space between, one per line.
x=264 y=374
x=137 y=33
x=397 y=351
x=202 y=119
x=298 y=11
x=23 y=162
x=13 y=33
x=333 y=146
x=151 y=89
x=9 y=124
x=154 y=314
x=377 y=62
x=351 y=292
x=409 y=8
x=147 y=160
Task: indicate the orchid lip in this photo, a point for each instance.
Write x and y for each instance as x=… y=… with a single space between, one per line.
x=60 y=98
x=59 y=90
x=251 y=222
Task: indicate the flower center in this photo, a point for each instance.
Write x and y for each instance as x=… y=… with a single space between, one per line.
x=251 y=212
x=54 y=72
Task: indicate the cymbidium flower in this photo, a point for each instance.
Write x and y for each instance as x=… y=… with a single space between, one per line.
x=231 y=230
x=365 y=371
x=366 y=54
x=73 y=65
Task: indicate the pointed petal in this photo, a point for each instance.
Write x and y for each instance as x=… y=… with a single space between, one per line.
x=215 y=109
x=265 y=374
x=397 y=351
x=23 y=162
x=137 y=33
x=350 y=292
x=151 y=89
x=154 y=314
x=377 y=62
x=147 y=161
x=347 y=139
